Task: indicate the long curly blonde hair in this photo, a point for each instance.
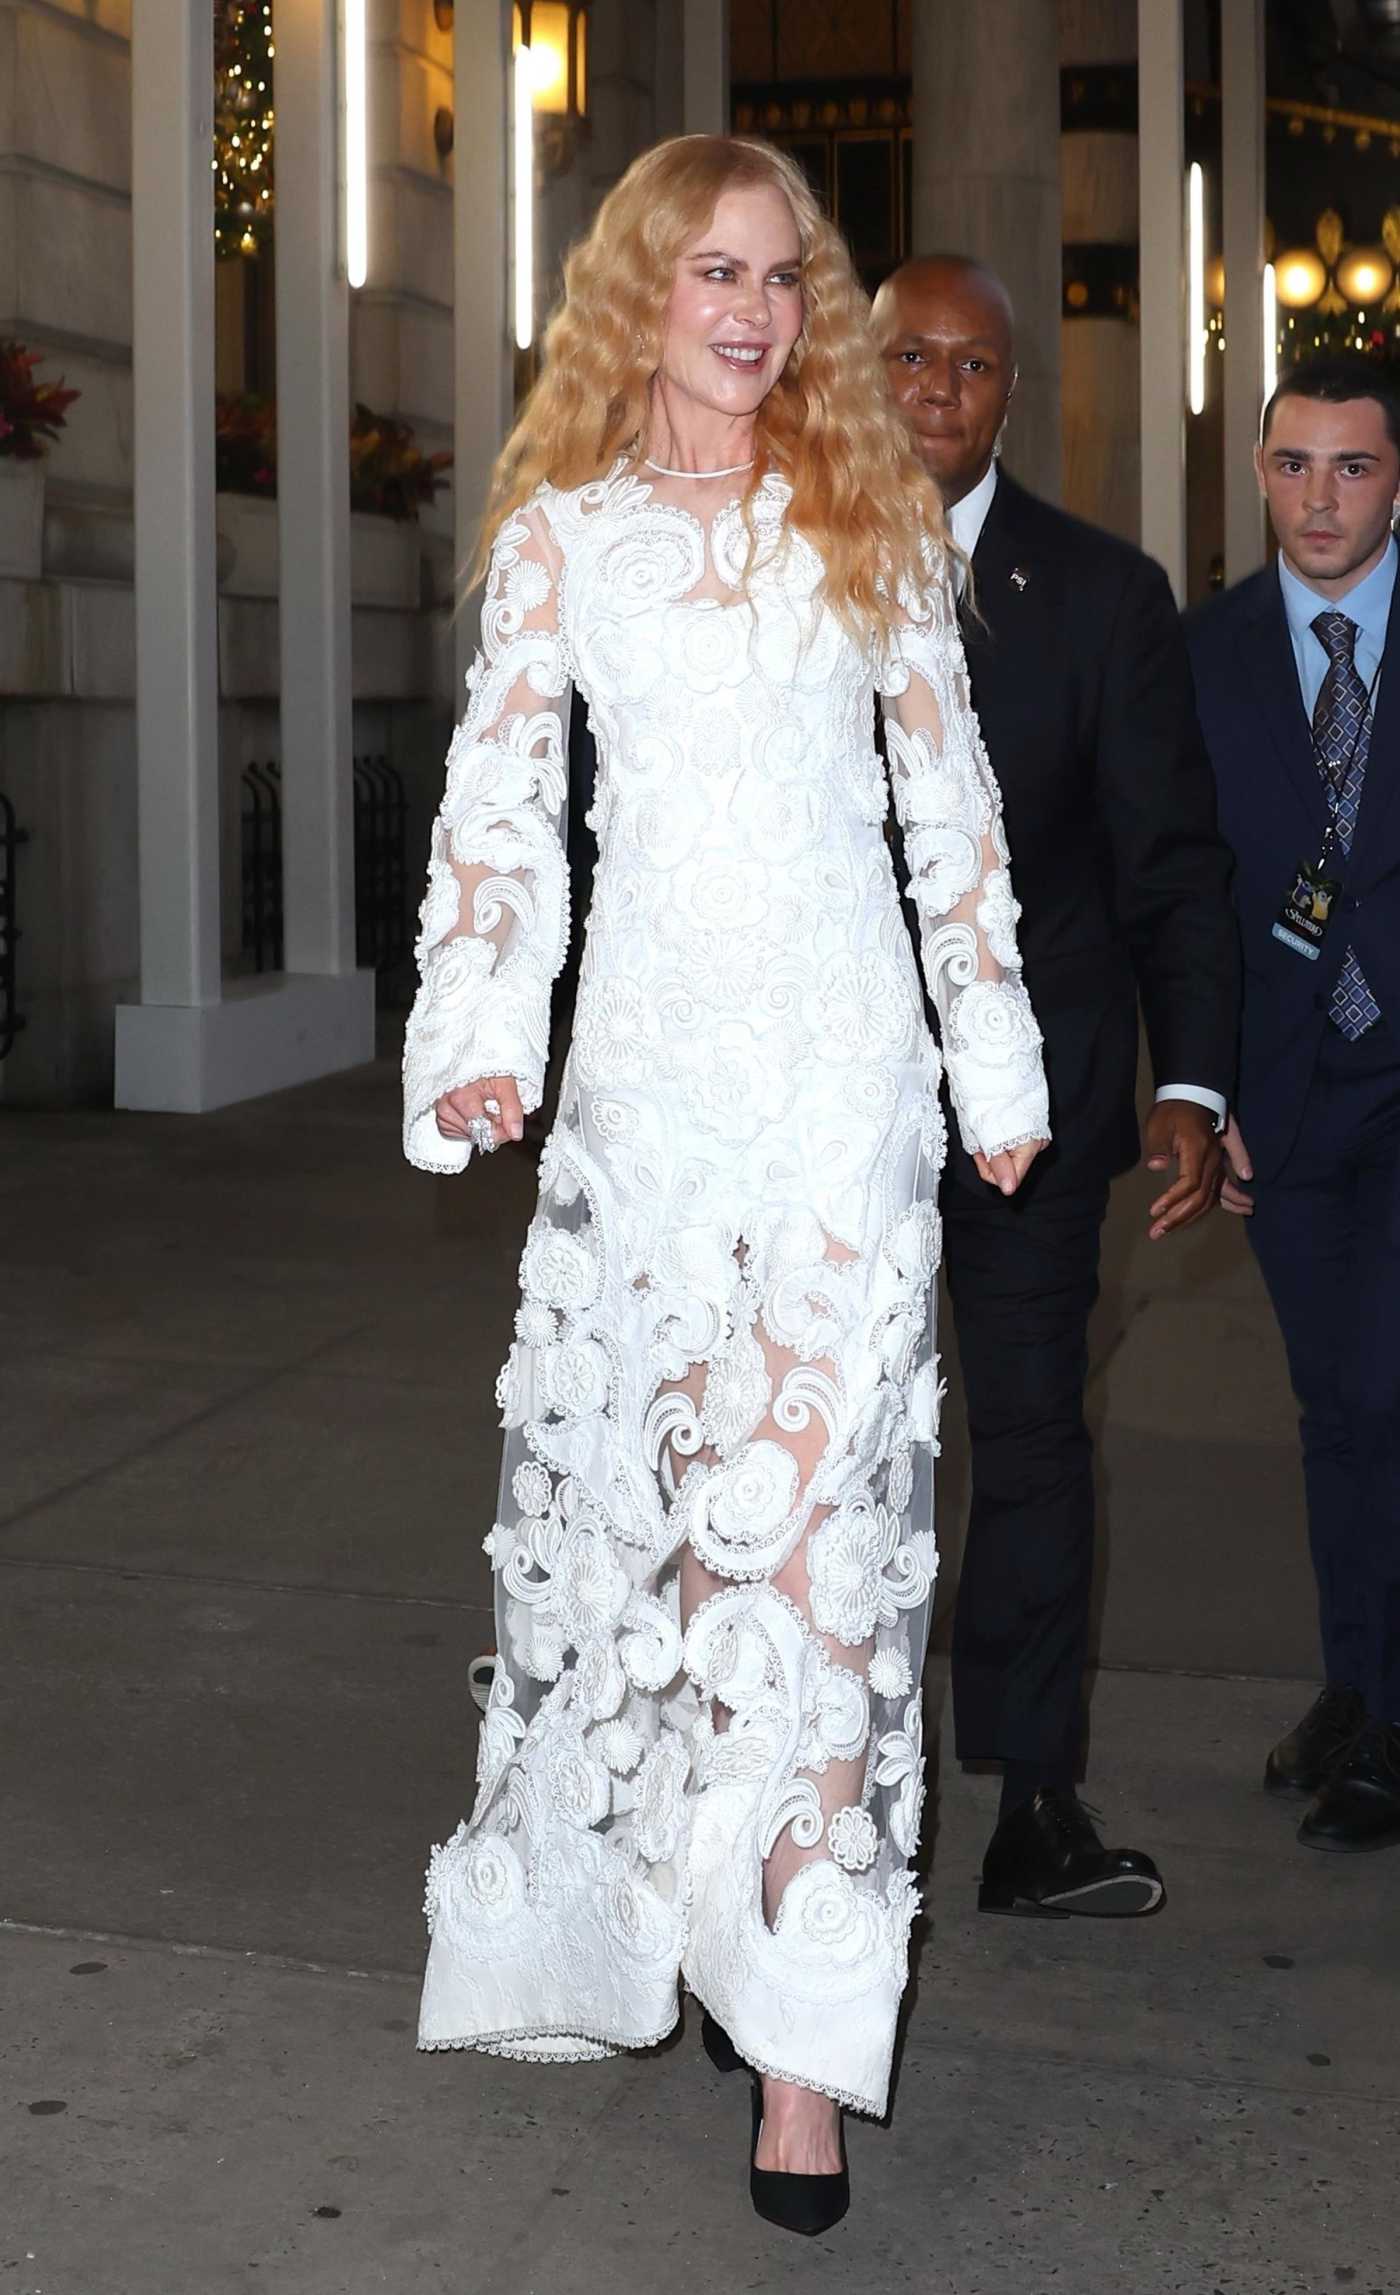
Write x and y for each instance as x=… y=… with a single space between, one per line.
x=859 y=491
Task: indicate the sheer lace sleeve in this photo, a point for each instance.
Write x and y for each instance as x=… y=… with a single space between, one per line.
x=949 y=807
x=495 y=919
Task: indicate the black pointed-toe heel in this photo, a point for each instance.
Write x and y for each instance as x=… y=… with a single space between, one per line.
x=718 y=2046
x=806 y=2204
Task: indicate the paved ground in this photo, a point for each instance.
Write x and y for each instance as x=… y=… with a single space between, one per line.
x=246 y=1452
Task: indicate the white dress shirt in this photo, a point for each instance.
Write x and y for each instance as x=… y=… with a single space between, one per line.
x=965 y=522
x=967 y=518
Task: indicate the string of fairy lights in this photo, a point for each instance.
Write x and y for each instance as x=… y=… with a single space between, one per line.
x=243 y=126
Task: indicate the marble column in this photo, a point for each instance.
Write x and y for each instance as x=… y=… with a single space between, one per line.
x=706 y=67
x=160 y=1041
x=177 y=679
x=1099 y=351
x=987 y=184
x=482 y=356
x=313 y=498
x=1242 y=159
x=1162 y=243
x=194 y=1042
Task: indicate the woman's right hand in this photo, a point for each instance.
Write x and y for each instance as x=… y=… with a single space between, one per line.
x=1008 y=1167
x=457 y=1111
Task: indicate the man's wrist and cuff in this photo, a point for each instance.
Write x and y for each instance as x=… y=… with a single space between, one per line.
x=1203 y=1096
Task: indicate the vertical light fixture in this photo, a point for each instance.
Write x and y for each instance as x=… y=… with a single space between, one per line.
x=523 y=186
x=1270 y=291
x=1196 y=289
x=356 y=144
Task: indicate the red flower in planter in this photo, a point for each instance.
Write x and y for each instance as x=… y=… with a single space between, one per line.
x=31 y=413
x=245 y=443
x=389 y=473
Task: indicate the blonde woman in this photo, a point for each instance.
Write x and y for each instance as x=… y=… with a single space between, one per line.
x=714 y=1547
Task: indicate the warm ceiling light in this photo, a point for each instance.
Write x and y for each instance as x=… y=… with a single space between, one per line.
x=1364 y=274
x=1299 y=278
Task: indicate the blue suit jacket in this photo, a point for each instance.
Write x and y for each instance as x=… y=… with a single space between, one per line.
x=1273 y=813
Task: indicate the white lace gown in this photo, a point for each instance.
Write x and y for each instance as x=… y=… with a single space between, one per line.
x=714 y=1545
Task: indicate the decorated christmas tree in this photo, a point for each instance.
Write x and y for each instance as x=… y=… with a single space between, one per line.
x=243 y=125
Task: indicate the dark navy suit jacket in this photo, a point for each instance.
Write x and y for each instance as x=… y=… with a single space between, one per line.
x=1273 y=812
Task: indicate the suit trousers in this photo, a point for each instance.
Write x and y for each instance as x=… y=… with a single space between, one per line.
x=1023 y=1276
x=1326 y=1233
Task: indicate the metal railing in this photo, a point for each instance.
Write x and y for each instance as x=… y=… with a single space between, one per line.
x=12 y=836
x=381 y=864
x=382 y=937
x=261 y=936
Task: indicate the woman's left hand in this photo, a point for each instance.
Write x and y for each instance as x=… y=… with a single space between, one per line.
x=1008 y=1167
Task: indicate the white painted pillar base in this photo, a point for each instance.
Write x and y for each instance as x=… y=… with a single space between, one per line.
x=269 y=1033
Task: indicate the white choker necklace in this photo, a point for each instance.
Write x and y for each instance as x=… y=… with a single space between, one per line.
x=732 y=472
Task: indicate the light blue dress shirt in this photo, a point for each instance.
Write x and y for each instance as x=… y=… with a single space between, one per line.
x=1368 y=605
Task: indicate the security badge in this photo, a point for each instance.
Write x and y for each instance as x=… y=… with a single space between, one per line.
x=1310 y=900
x=1307 y=907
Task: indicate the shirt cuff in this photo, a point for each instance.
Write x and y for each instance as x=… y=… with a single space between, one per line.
x=1203 y=1096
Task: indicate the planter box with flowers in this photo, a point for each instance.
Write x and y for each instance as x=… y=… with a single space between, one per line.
x=31 y=415
x=389 y=478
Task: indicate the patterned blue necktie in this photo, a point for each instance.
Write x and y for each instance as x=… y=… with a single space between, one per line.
x=1342 y=733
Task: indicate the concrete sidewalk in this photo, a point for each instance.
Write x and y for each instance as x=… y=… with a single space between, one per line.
x=1206 y=2100
x=248 y=1449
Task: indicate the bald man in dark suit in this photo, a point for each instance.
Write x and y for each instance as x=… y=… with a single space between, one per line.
x=1081 y=682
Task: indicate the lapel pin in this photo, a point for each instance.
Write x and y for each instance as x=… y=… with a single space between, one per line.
x=1018 y=579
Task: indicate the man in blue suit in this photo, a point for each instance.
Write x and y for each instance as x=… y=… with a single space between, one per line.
x=1298 y=686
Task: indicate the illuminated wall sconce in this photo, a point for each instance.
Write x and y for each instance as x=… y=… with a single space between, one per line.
x=549 y=100
x=355 y=95
x=556 y=34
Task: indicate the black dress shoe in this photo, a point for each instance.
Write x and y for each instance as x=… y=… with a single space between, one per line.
x=1046 y=1858
x=807 y=2204
x=1359 y=1806
x=1303 y=1761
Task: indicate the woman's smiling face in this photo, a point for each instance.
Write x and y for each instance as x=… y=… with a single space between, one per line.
x=735 y=308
